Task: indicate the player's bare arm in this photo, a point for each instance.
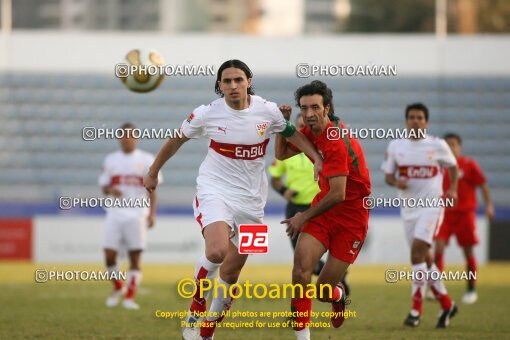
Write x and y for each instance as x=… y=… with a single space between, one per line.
x=303 y=144
x=150 y=180
x=400 y=183
x=335 y=195
x=282 y=150
x=110 y=190
x=453 y=172
x=487 y=199
x=153 y=197
x=277 y=184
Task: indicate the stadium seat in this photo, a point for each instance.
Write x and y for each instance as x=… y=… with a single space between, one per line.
x=42 y=117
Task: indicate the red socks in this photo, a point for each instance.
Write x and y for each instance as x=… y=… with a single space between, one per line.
x=440 y=261
x=303 y=306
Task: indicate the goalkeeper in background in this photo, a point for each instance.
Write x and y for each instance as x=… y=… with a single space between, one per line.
x=299 y=188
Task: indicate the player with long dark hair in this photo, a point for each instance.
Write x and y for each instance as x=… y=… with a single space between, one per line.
x=231 y=184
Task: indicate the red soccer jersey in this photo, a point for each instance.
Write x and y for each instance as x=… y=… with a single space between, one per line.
x=470 y=177
x=343 y=156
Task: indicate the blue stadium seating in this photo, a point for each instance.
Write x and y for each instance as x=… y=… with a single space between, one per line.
x=42 y=117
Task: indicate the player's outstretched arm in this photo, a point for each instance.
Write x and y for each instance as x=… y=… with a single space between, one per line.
x=453 y=172
x=487 y=199
x=302 y=143
x=281 y=147
x=277 y=184
x=150 y=180
x=282 y=150
x=153 y=197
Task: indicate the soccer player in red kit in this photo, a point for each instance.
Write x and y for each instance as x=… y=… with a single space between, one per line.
x=460 y=220
x=336 y=220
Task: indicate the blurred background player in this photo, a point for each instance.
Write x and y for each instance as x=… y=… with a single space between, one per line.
x=337 y=220
x=231 y=184
x=460 y=220
x=299 y=189
x=418 y=162
x=126 y=227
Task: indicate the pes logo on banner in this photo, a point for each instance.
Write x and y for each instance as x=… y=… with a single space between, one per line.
x=253 y=239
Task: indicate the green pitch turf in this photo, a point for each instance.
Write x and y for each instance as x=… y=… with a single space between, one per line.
x=74 y=310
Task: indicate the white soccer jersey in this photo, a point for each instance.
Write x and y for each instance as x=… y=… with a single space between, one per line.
x=125 y=172
x=234 y=167
x=419 y=161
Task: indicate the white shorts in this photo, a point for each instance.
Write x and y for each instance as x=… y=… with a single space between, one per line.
x=423 y=224
x=125 y=233
x=209 y=208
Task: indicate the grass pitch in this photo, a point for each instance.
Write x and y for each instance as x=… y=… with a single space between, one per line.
x=74 y=310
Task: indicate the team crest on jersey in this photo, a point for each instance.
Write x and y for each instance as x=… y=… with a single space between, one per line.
x=261 y=128
x=190 y=118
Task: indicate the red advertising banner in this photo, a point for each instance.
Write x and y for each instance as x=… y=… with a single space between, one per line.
x=15 y=239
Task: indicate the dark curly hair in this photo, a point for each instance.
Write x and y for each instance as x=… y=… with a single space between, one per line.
x=320 y=88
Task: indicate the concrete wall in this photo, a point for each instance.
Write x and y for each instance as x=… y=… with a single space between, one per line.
x=413 y=54
x=62 y=239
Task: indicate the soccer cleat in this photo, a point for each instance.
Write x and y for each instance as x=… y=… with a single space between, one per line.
x=338 y=317
x=191 y=330
x=412 y=320
x=446 y=315
x=190 y=333
x=470 y=297
x=303 y=334
x=130 y=304
x=114 y=299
